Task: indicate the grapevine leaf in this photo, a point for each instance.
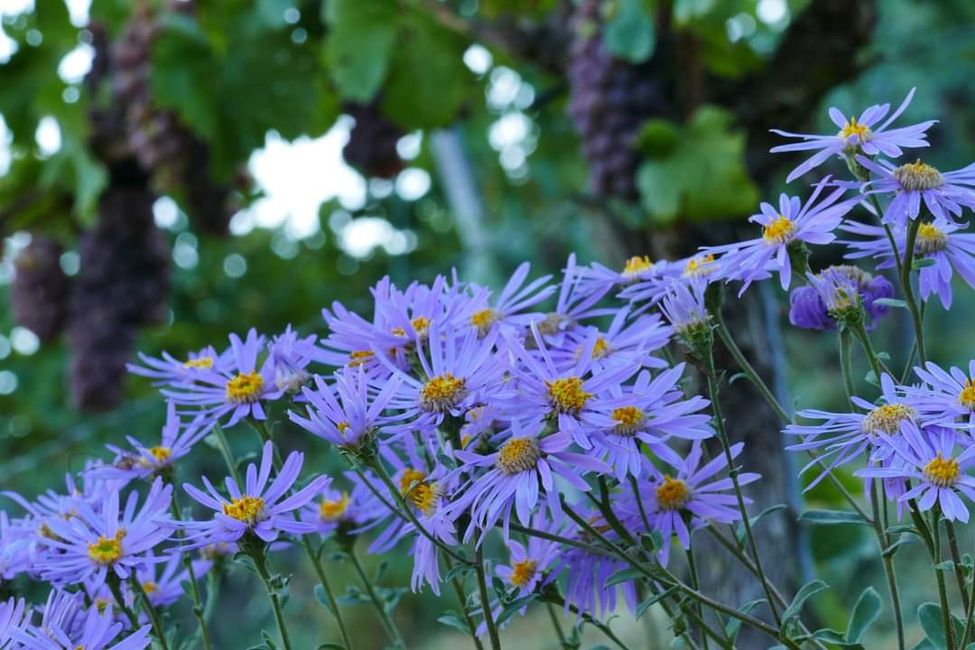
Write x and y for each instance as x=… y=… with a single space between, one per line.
x=359 y=45
x=629 y=34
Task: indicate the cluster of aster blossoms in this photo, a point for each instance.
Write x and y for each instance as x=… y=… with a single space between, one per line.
x=547 y=420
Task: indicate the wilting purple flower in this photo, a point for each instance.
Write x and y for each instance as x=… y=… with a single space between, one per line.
x=683 y=306
x=92 y=543
x=237 y=390
x=943 y=193
x=793 y=222
x=857 y=134
x=835 y=289
x=350 y=412
x=522 y=468
x=930 y=460
x=177 y=441
x=259 y=508
x=845 y=437
x=289 y=356
x=66 y=625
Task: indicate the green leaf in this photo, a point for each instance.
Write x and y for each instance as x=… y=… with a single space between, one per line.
x=865 y=612
x=646 y=603
x=323 y=598
x=624 y=575
x=702 y=176
x=807 y=591
x=740 y=530
x=929 y=616
x=922 y=263
x=428 y=80
x=629 y=33
x=450 y=619
x=831 y=517
x=359 y=43
x=893 y=548
x=896 y=303
x=184 y=64
x=734 y=625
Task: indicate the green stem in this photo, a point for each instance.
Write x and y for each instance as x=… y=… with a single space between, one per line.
x=557 y=626
x=227 y=452
x=712 y=379
x=157 y=628
x=191 y=572
x=969 y=614
x=952 y=536
x=905 y=278
x=257 y=557
x=939 y=574
x=384 y=617
x=333 y=602
x=845 y=364
x=113 y=586
x=696 y=583
x=482 y=590
x=462 y=601
x=556 y=599
x=883 y=540
x=876 y=364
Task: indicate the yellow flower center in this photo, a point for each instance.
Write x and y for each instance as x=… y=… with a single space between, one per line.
x=420 y=492
x=150 y=586
x=943 y=472
x=421 y=325
x=161 y=454
x=851 y=128
x=628 y=419
x=359 y=357
x=699 y=266
x=551 y=323
x=967 y=395
x=918 y=176
x=332 y=509
x=931 y=239
x=672 y=494
x=779 y=231
x=101 y=604
x=636 y=265
x=484 y=319
x=567 y=394
x=245 y=388
x=519 y=455
x=343 y=427
x=199 y=362
x=106 y=550
x=247 y=509
x=442 y=392
x=522 y=572
x=887 y=419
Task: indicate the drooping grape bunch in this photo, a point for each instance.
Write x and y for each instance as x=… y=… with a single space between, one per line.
x=609 y=100
x=38 y=295
x=372 y=142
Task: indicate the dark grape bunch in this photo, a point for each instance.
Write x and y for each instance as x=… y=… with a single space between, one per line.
x=122 y=285
x=177 y=160
x=371 y=148
x=609 y=101
x=39 y=293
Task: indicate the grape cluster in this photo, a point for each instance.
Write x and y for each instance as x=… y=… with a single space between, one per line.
x=177 y=160
x=38 y=296
x=609 y=101
x=122 y=284
x=371 y=148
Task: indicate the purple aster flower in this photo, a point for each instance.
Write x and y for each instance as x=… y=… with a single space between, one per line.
x=409 y=314
x=259 y=508
x=289 y=356
x=574 y=305
x=597 y=279
x=457 y=371
x=564 y=394
x=929 y=458
x=13 y=616
x=835 y=289
x=697 y=268
x=793 y=222
x=168 y=369
x=176 y=442
x=530 y=562
x=865 y=133
x=163 y=581
x=352 y=412
x=347 y=511
x=625 y=342
x=523 y=468
x=845 y=437
x=689 y=488
x=943 y=193
x=352 y=338
x=67 y=626
x=511 y=304
x=92 y=543
x=939 y=241
x=650 y=412
x=682 y=304
x=237 y=390
x=15 y=546
x=946 y=396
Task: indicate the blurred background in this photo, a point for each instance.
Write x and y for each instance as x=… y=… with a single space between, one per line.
x=175 y=170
